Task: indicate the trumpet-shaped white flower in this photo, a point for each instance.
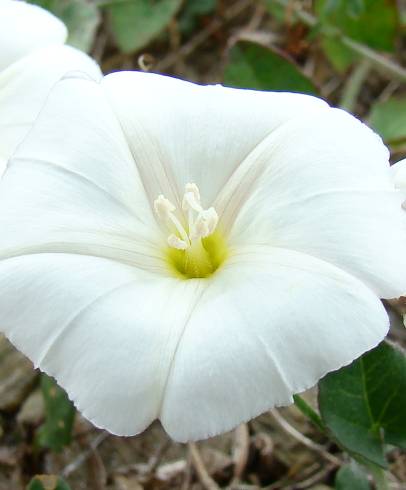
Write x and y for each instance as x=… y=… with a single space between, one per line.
x=32 y=59
x=399 y=178
x=194 y=254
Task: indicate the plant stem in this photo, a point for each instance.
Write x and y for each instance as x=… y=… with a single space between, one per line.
x=384 y=64
x=353 y=85
x=308 y=411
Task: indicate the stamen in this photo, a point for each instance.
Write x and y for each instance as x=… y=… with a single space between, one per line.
x=175 y=242
x=194 y=190
x=201 y=222
x=205 y=224
x=163 y=207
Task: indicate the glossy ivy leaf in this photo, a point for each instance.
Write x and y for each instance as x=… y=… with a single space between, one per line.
x=81 y=17
x=351 y=477
x=389 y=120
x=56 y=432
x=47 y=482
x=251 y=65
x=137 y=23
x=363 y=404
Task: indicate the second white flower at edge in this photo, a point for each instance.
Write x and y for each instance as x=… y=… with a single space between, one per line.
x=195 y=254
x=33 y=58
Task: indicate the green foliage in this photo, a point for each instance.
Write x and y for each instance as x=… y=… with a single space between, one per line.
x=276 y=10
x=339 y=55
x=135 y=23
x=47 y=482
x=81 y=17
x=192 y=10
x=351 y=477
x=56 y=432
x=389 y=120
x=251 y=65
x=364 y=404
x=372 y=22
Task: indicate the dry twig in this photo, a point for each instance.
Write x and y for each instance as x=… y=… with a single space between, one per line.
x=303 y=439
x=82 y=457
x=240 y=451
x=205 y=479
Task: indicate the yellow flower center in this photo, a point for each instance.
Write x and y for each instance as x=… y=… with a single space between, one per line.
x=195 y=250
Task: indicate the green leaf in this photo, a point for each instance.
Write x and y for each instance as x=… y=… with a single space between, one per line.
x=372 y=22
x=277 y=11
x=339 y=55
x=351 y=477
x=81 y=17
x=251 y=65
x=192 y=10
x=47 y=482
x=355 y=8
x=364 y=404
x=135 y=23
x=389 y=120
x=56 y=432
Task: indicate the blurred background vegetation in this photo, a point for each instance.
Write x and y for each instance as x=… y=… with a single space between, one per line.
x=350 y=52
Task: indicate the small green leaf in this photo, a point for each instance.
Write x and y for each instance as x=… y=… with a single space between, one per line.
x=372 y=22
x=277 y=11
x=251 y=65
x=47 y=482
x=363 y=404
x=355 y=8
x=56 y=432
x=135 y=23
x=339 y=55
x=81 y=17
x=351 y=477
x=389 y=120
x=192 y=10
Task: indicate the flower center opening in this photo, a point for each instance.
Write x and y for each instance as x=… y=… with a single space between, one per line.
x=197 y=249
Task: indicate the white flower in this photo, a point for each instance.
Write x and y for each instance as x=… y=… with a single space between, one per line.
x=399 y=178
x=194 y=254
x=32 y=59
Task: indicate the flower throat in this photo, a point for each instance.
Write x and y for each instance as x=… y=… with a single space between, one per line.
x=197 y=250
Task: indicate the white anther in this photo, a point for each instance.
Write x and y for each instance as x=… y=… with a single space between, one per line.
x=189 y=202
x=201 y=222
x=205 y=224
x=194 y=190
x=163 y=207
x=211 y=218
x=175 y=242
x=199 y=229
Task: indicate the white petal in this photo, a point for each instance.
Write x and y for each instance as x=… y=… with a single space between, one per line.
x=130 y=346
x=105 y=331
x=398 y=171
x=25 y=85
x=180 y=132
x=270 y=324
x=321 y=185
x=25 y=28
x=72 y=185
